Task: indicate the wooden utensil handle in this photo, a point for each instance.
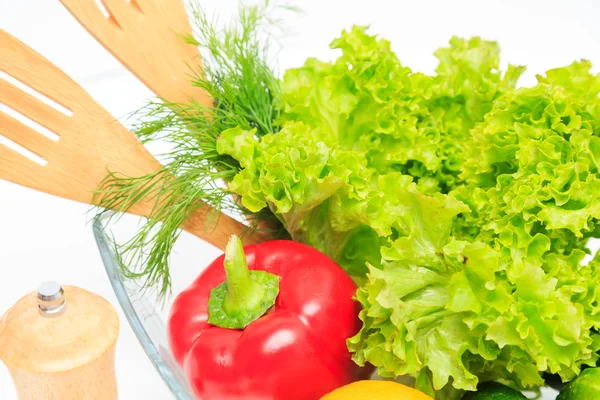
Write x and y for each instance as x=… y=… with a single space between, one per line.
x=215 y=232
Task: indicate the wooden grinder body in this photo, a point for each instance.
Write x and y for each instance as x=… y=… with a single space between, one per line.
x=66 y=356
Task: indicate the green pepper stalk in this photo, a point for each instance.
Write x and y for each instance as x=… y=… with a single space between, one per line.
x=245 y=295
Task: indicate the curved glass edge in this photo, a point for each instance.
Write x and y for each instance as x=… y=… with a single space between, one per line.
x=151 y=333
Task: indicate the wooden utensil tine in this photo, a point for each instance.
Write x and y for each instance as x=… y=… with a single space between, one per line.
x=90 y=15
x=25 y=65
x=120 y=9
x=13 y=165
x=145 y=36
x=32 y=108
x=28 y=138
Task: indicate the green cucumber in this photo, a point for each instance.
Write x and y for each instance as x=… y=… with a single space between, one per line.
x=494 y=391
x=585 y=387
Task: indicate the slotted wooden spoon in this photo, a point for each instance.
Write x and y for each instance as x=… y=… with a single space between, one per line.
x=91 y=141
x=145 y=36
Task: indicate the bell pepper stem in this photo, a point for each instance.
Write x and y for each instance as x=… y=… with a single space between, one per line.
x=243 y=293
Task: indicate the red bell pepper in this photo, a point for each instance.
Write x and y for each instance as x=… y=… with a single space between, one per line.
x=272 y=325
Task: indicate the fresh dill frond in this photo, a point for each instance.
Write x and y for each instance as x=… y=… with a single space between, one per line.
x=246 y=93
x=237 y=73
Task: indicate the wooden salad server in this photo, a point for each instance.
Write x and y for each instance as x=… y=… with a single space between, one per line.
x=90 y=141
x=146 y=37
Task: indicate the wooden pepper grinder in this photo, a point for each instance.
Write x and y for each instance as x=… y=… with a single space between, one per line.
x=59 y=344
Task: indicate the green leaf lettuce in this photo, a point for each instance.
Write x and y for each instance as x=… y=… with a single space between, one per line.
x=461 y=205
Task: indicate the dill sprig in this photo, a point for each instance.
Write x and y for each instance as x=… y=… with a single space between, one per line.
x=246 y=93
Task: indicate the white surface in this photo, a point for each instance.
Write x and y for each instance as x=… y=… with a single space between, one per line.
x=45 y=238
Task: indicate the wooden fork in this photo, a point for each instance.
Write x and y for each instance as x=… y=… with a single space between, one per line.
x=145 y=36
x=90 y=141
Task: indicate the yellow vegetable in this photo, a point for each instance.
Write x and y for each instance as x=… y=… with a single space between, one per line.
x=376 y=390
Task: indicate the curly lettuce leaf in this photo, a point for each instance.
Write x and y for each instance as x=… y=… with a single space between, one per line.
x=455 y=313
x=460 y=204
x=533 y=181
x=402 y=121
x=316 y=189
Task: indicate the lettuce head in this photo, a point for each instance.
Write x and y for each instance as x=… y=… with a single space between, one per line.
x=461 y=205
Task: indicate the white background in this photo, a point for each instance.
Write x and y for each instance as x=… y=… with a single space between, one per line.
x=42 y=237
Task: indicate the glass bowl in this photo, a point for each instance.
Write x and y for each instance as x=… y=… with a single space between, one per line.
x=146 y=315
